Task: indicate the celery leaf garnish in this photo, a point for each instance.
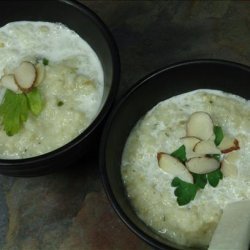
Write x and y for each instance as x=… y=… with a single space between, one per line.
x=14 y=109
x=35 y=101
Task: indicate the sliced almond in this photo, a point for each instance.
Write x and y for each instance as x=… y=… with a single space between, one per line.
x=202 y=165
x=206 y=147
x=228 y=165
x=189 y=142
x=200 y=125
x=174 y=167
x=25 y=76
x=40 y=73
x=229 y=144
x=8 y=81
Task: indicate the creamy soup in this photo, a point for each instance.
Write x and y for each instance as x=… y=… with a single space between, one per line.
x=149 y=187
x=71 y=89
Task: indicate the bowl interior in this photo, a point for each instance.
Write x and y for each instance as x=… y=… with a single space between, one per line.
x=209 y=74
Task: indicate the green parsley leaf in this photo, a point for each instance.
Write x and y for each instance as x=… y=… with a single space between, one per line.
x=200 y=180
x=180 y=153
x=185 y=192
x=14 y=112
x=176 y=182
x=45 y=61
x=218 y=135
x=214 y=177
x=35 y=101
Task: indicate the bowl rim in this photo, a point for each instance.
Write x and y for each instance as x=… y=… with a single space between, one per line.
x=22 y=164
x=105 y=135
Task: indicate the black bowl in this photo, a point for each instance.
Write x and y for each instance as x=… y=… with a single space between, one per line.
x=89 y=26
x=163 y=84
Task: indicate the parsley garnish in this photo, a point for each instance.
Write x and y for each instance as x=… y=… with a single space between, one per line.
x=185 y=192
x=218 y=135
x=214 y=177
x=15 y=108
x=180 y=153
x=200 y=180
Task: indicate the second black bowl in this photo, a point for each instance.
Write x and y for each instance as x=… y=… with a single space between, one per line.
x=163 y=84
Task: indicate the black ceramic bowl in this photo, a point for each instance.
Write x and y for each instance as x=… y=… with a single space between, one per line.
x=89 y=26
x=165 y=83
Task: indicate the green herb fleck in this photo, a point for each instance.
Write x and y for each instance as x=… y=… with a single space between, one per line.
x=45 y=61
x=214 y=177
x=60 y=103
x=180 y=153
x=35 y=101
x=218 y=135
x=185 y=192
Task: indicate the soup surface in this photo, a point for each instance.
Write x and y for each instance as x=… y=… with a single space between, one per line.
x=71 y=89
x=149 y=187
